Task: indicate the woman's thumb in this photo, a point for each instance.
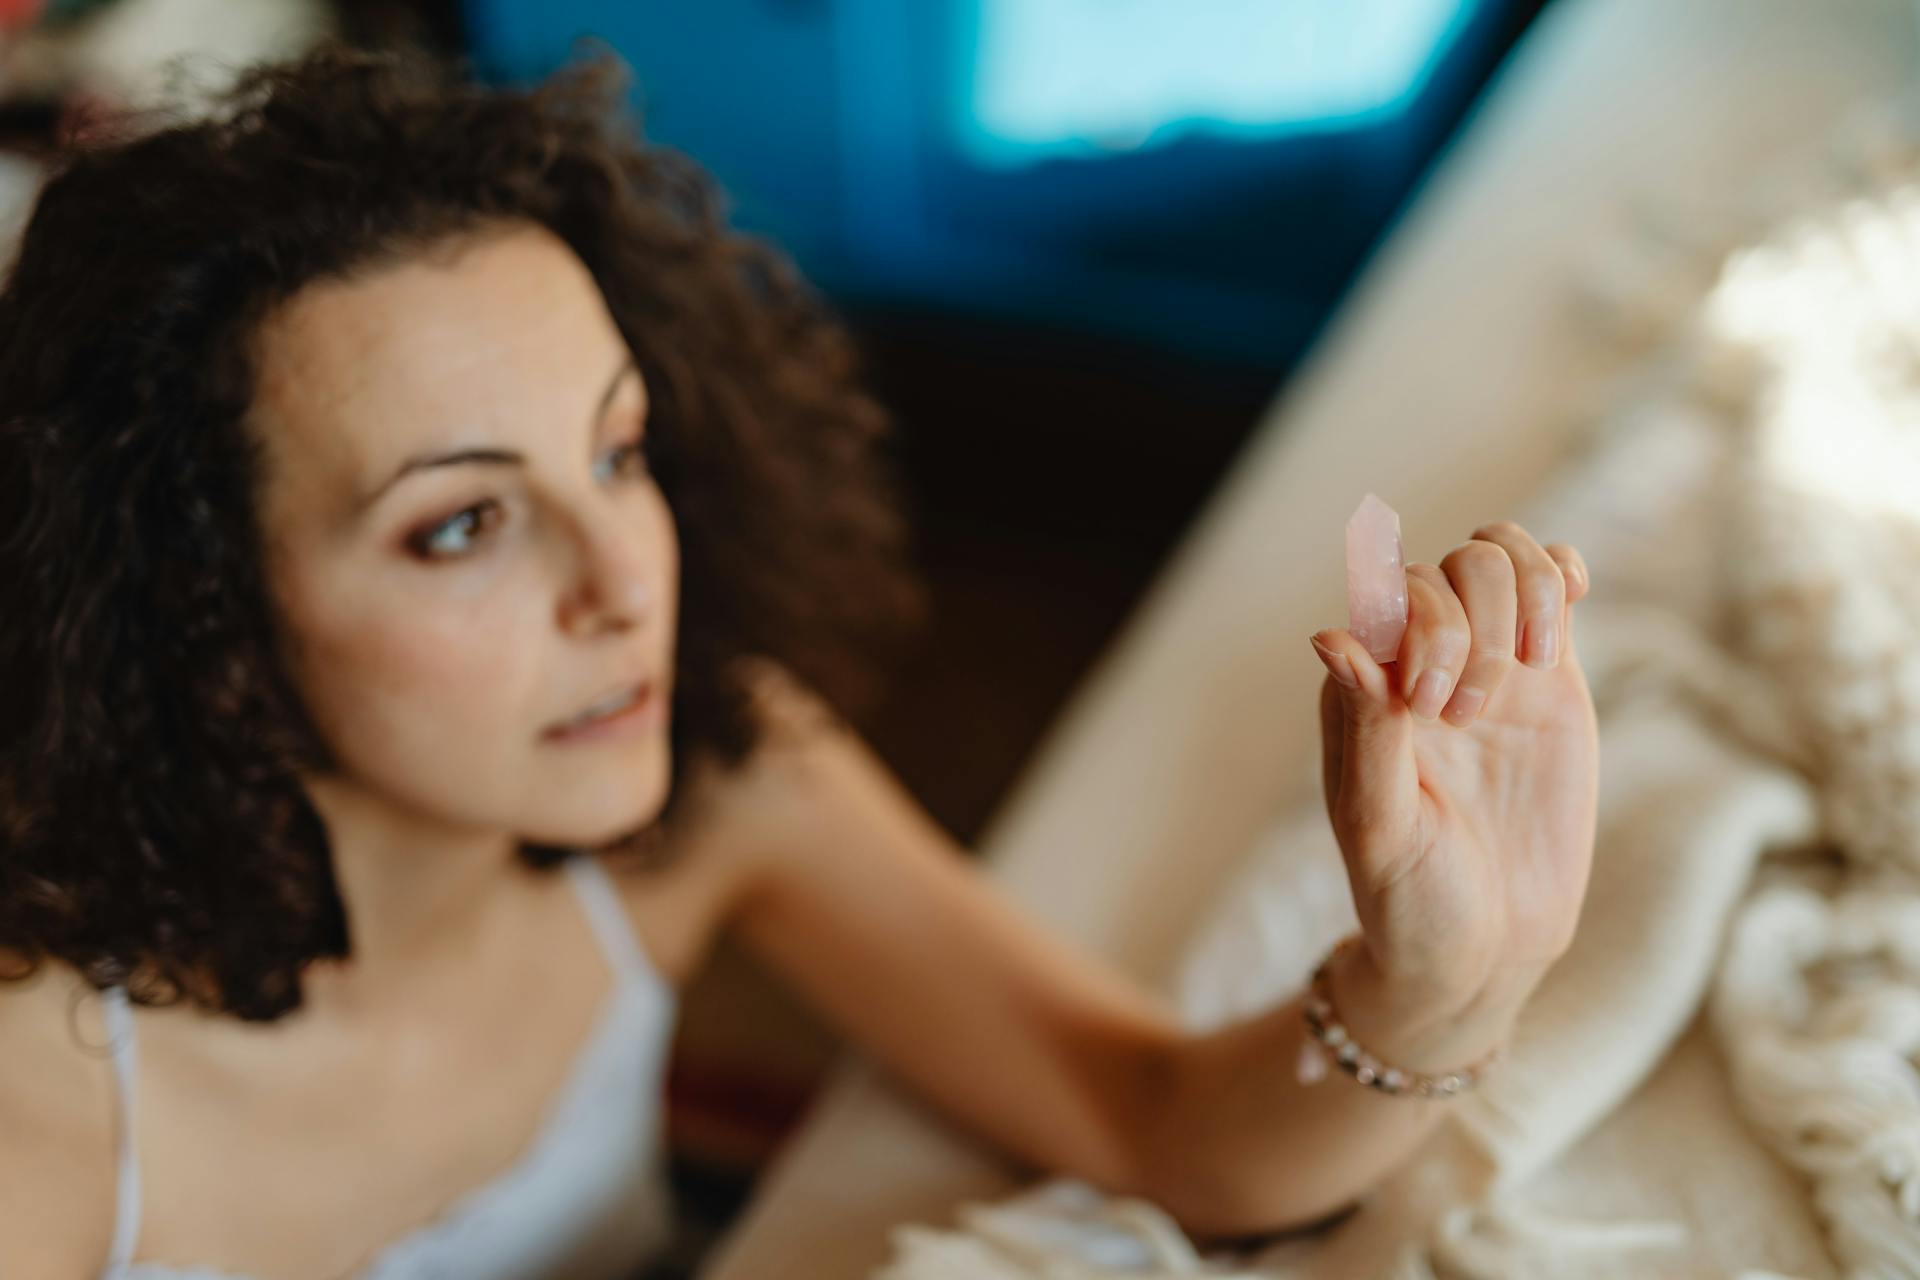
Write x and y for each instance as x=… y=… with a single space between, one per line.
x=1375 y=726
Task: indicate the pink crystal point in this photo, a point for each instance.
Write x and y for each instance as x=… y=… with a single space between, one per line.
x=1376 y=579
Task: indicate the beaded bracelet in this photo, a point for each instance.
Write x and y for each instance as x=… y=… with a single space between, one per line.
x=1331 y=1037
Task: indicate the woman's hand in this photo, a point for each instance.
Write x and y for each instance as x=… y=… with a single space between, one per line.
x=1467 y=837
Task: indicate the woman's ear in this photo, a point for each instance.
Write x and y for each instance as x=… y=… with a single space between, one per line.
x=785 y=707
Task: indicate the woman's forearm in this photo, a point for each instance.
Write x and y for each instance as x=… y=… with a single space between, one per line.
x=1239 y=1146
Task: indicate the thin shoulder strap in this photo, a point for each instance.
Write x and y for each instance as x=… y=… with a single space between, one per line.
x=608 y=914
x=126 y=1211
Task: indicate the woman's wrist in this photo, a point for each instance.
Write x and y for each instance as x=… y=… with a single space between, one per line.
x=1422 y=1026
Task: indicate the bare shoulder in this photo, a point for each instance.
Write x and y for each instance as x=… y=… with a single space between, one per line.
x=720 y=840
x=811 y=794
x=56 y=1124
x=735 y=820
x=796 y=768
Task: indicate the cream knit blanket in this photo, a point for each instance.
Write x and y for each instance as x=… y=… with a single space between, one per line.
x=1723 y=1074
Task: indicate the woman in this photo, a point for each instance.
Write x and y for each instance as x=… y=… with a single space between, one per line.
x=436 y=559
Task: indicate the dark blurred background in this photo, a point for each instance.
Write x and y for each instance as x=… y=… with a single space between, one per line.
x=1083 y=243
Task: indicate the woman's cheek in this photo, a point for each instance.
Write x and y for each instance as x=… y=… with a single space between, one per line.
x=478 y=666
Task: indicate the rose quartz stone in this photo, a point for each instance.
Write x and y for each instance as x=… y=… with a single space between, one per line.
x=1376 y=579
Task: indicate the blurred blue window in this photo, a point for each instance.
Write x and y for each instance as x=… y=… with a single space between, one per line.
x=1078 y=76
x=1204 y=174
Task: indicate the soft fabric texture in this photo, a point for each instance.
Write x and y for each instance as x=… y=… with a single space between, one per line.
x=587 y=1200
x=1719 y=1078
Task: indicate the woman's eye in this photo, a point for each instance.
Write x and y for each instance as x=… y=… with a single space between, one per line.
x=452 y=536
x=630 y=458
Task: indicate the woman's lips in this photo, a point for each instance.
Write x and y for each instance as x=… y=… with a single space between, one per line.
x=637 y=716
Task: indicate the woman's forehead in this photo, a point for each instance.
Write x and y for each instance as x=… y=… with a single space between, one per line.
x=432 y=351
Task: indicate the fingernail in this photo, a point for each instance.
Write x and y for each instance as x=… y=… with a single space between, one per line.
x=1466 y=704
x=1430 y=694
x=1336 y=663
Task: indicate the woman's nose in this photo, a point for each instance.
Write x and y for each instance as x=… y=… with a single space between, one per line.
x=612 y=587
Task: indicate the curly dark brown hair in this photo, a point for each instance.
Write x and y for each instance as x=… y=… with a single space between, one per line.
x=153 y=831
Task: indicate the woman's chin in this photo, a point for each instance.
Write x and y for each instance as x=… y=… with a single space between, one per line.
x=594 y=802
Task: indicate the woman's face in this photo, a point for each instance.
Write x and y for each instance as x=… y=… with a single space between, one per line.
x=463 y=539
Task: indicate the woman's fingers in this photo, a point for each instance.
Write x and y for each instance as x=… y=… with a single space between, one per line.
x=1542 y=590
x=1481 y=573
x=1495 y=598
x=1435 y=647
x=1369 y=758
x=1573 y=566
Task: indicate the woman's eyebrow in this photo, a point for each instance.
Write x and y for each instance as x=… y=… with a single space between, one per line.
x=425 y=461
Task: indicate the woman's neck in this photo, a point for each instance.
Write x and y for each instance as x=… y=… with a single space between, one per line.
x=421 y=899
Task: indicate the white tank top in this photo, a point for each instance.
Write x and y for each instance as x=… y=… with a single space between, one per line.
x=587 y=1200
